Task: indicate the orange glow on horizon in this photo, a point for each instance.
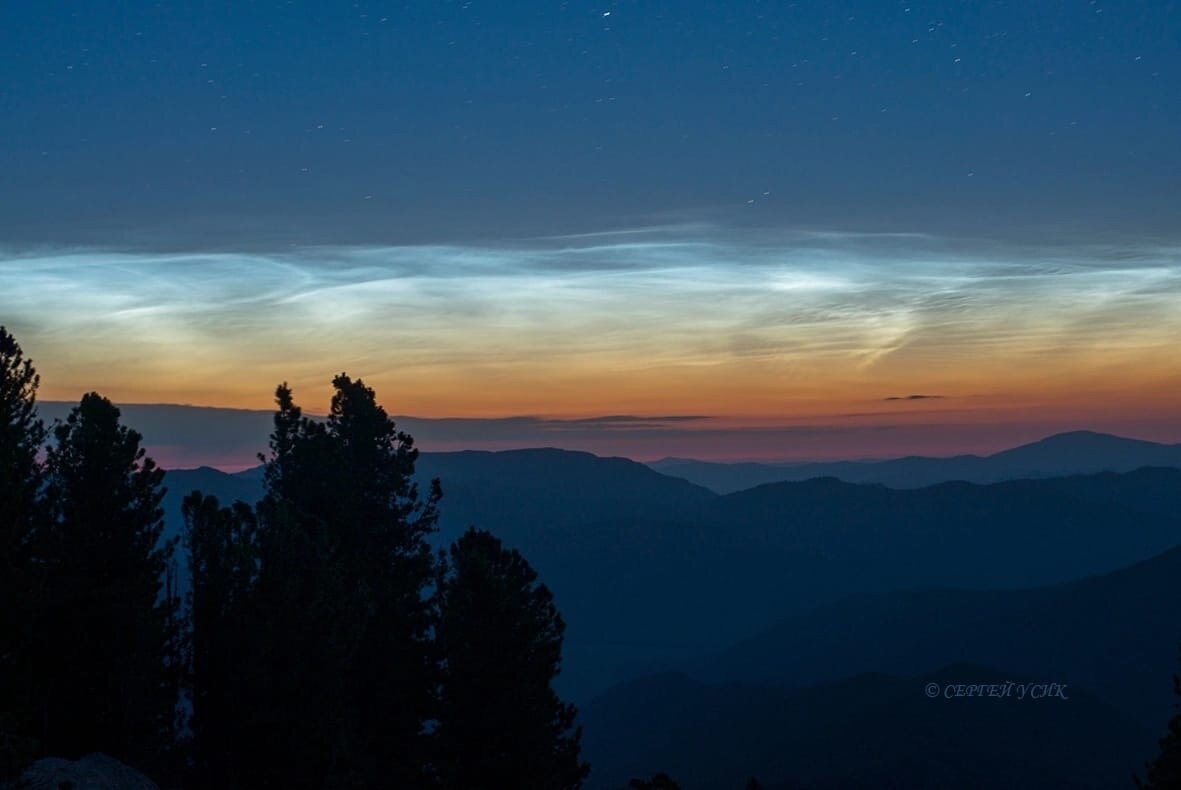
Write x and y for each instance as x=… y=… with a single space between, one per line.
x=750 y=330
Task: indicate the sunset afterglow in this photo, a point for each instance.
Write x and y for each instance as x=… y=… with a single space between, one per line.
x=750 y=330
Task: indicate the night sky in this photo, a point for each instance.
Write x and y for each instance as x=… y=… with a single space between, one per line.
x=760 y=211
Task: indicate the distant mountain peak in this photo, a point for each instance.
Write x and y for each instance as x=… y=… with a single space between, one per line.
x=1066 y=453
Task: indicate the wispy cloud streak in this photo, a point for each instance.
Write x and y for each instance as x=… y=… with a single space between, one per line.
x=597 y=318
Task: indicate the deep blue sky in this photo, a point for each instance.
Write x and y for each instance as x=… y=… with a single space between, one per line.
x=261 y=124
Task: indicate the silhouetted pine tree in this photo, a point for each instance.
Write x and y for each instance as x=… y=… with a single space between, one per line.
x=21 y=437
x=346 y=675
x=224 y=646
x=500 y=724
x=104 y=660
x=1164 y=773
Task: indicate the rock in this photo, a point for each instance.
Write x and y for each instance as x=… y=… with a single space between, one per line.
x=92 y=772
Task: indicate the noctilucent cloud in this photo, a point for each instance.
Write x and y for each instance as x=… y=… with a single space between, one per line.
x=770 y=214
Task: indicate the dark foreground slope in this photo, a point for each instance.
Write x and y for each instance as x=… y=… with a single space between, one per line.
x=870 y=731
x=1116 y=635
x=781 y=704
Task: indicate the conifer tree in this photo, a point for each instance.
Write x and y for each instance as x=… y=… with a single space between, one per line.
x=500 y=722
x=106 y=679
x=22 y=436
x=224 y=647
x=346 y=675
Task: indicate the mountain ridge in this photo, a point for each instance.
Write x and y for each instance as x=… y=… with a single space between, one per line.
x=647 y=567
x=1060 y=454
